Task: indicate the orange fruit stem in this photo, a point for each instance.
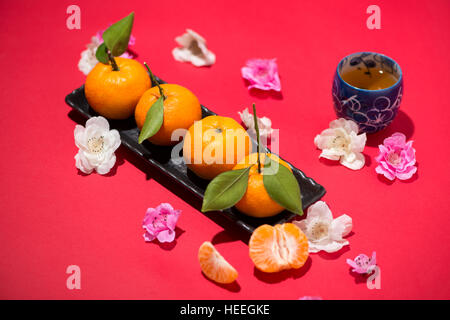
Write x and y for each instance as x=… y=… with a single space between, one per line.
x=255 y=118
x=153 y=79
x=114 y=65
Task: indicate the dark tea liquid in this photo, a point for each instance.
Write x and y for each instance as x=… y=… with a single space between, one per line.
x=378 y=79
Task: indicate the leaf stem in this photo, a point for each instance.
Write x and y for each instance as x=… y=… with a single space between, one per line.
x=114 y=65
x=153 y=79
x=255 y=118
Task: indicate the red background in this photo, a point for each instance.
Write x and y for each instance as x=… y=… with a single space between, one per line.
x=52 y=217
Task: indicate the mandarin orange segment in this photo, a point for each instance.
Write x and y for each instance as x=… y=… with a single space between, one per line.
x=273 y=249
x=214 y=266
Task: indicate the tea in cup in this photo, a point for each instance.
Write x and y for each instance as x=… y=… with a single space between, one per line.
x=368 y=89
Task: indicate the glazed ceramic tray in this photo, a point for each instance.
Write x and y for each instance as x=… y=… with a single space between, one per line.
x=160 y=157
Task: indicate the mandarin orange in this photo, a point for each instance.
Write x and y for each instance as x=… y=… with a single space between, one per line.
x=256 y=202
x=215 y=145
x=214 y=266
x=181 y=109
x=273 y=249
x=114 y=94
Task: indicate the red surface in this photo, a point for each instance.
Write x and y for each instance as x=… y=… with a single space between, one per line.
x=52 y=217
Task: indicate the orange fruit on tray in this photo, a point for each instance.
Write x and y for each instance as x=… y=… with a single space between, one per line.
x=215 y=145
x=273 y=249
x=214 y=266
x=256 y=202
x=115 y=94
x=181 y=109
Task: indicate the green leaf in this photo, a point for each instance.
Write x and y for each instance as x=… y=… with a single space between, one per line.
x=101 y=54
x=117 y=36
x=282 y=186
x=153 y=120
x=225 y=190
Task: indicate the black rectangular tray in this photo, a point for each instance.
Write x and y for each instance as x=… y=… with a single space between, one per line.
x=160 y=157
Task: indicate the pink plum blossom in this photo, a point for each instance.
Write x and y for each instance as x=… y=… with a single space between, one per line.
x=262 y=74
x=363 y=264
x=397 y=158
x=160 y=223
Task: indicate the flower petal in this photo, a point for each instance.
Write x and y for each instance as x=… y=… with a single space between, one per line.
x=320 y=210
x=302 y=224
x=322 y=140
x=348 y=125
x=388 y=174
x=373 y=260
x=356 y=164
x=407 y=174
x=113 y=139
x=358 y=142
x=352 y=263
x=330 y=154
x=341 y=227
x=106 y=165
x=82 y=163
x=79 y=136
x=99 y=122
x=149 y=236
x=166 y=236
x=330 y=247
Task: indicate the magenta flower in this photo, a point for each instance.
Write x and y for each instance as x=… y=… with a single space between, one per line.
x=262 y=74
x=160 y=223
x=363 y=264
x=397 y=158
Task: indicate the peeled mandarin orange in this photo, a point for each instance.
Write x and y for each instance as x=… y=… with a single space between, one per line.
x=114 y=94
x=215 y=145
x=273 y=249
x=214 y=266
x=256 y=202
x=181 y=109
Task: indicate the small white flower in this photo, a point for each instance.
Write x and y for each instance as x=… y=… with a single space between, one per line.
x=193 y=49
x=324 y=232
x=97 y=145
x=342 y=142
x=88 y=59
x=264 y=124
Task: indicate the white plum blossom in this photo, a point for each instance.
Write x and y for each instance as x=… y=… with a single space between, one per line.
x=264 y=124
x=324 y=232
x=193 y=49
x=97 y=145
x=342 y=142
x=88 y=59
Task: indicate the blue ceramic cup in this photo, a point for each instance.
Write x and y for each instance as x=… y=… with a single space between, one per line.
x=372 y=90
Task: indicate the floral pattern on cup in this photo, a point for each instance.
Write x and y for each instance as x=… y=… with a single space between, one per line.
x=372 y=110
